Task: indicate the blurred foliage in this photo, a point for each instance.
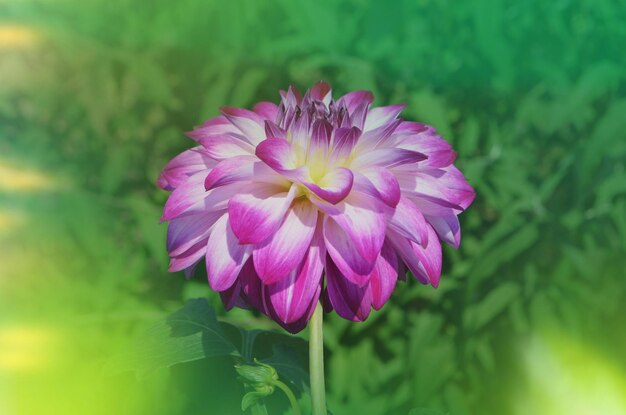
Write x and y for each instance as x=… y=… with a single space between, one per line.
x=95 y=95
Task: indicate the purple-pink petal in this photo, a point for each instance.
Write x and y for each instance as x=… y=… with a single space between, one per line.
x=333 y=187
x=384 y=276
x=351 y=301
x=291 y=297
x=221 y=147
x=248 y=122
x=408 y=221
x=186 y=164
x=377 y=117
x=362 y=218
x=341 y=249
x=224 y=256
x=255 y=214
x=379 y=183
x=447 y=227
x=277 y=153
x=284 y=250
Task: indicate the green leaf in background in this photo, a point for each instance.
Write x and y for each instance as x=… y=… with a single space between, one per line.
x=189 y=334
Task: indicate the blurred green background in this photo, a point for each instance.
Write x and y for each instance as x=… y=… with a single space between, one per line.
x=529 y=317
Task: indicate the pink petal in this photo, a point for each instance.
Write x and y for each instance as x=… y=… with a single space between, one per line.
x=224 y=255
x=231 y=297
x=186 y=164
x=446 y=186
x=320 y=139
x=384 y=276
x=350 y=301
x=280 y=254
x=191 y=198
x=221 y=147
x=386 y=157
x=344 y=141
x=424 y=263
x=189 y=258
x=322 y=91
x=408 y=221
x=362 y=217
x=184 y=196
x=291 y=297
x=267 y=110
x=439 y=152
x=447 y=227
x=256 y=214
x=379 y=183
x=215 y=126
x=333 y=187
x=355 y=98
x=341 y=249
x=378 y=136
x=274 y=131
x=252 y=287
x=377 y=117
x=277 y=153
x=185 y=231
x=249 y=123
x=240 y=168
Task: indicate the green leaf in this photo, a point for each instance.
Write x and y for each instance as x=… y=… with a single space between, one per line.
x=290 y=368
x=191 y=333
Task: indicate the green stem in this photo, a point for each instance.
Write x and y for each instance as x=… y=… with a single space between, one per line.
x=316 y=361
x=292 y=399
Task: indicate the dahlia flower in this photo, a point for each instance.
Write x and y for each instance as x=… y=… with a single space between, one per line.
x=313 y=199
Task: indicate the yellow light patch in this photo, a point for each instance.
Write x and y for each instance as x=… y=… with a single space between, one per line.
x=26 y=348
x=16 y=36
x=570 y=378
x=21 y=179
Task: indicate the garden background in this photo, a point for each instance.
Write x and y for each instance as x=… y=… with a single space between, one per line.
x=95 y=97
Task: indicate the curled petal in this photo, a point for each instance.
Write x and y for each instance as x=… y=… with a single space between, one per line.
x=333 y=187
x=258 y=212
x=280 y=254
x=224 y=255
x=277 y=153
